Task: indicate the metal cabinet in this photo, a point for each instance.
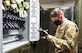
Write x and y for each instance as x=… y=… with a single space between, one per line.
x=25 y=50
x=1 y=30
x=22 y=49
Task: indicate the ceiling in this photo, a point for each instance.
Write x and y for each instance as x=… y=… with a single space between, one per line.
x=53 y=1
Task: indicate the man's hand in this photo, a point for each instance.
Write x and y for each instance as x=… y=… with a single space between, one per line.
x=49 y=37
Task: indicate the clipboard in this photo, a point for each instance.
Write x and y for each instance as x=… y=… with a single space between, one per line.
x=44 y=32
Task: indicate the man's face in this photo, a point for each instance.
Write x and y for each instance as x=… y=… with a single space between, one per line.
x=56 y=20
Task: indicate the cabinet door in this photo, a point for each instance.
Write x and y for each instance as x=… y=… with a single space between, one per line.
x=25 y=50
x=13 y=51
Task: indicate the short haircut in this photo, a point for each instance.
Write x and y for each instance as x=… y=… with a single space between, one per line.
x=56 y=12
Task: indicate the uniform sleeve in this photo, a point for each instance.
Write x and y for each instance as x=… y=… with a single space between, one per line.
x=69 y=38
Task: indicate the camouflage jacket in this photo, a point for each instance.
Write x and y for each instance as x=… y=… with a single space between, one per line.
x=65 y=39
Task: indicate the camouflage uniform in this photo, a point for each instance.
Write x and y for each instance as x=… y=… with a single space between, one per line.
x=65 y=38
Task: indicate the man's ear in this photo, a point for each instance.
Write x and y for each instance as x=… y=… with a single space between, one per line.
x=59 y=16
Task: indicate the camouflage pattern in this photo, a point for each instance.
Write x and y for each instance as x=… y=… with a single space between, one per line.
x=65 y=39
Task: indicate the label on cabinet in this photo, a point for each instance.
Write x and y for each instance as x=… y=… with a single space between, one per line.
x=34 y=20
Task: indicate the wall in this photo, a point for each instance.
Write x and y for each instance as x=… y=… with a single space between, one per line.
x=53 y=5
x=80 y=26
x=78 y=16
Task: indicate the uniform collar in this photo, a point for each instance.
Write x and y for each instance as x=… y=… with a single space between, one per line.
x=65 y=20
